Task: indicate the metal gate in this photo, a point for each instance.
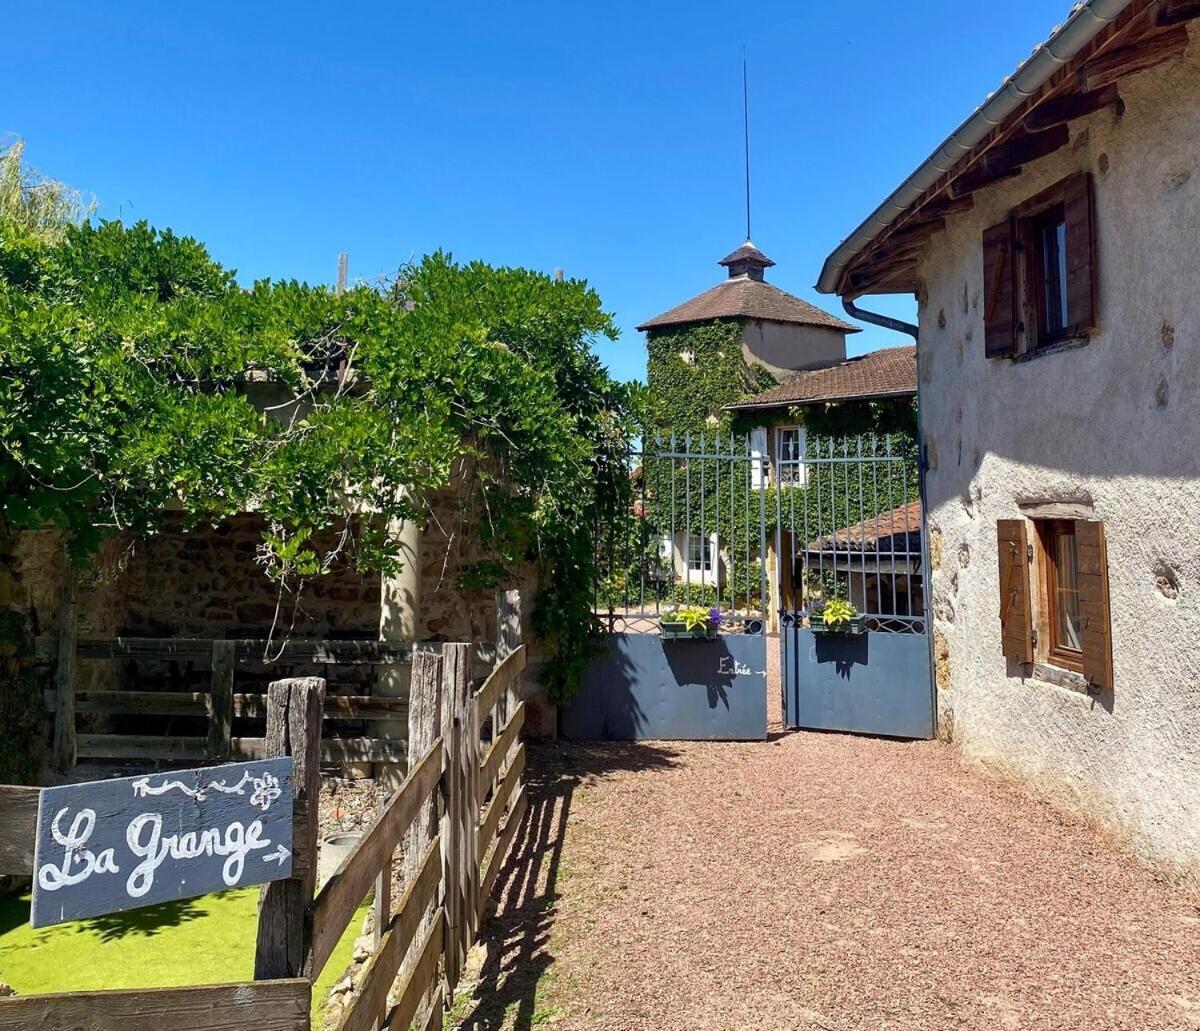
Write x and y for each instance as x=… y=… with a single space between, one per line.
x=692 y=533
x=852 y=586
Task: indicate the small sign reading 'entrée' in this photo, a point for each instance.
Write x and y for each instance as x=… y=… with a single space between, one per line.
x=112 y=845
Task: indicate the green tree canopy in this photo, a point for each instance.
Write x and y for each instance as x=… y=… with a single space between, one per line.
x=133 y=370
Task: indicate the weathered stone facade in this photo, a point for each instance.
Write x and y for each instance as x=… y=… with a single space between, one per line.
x=1108 y=427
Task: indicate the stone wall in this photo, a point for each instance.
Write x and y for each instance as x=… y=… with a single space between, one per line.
x=1110 y=426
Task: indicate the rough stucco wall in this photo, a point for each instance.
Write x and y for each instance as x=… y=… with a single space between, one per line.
x=1112 y=422
x=785 y=348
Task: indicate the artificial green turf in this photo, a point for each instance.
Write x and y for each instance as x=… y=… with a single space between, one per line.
x=208 y=940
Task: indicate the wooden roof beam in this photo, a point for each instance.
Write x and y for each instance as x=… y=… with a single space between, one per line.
x=1064 y=109
x=1172 y=12
x=1146 y=52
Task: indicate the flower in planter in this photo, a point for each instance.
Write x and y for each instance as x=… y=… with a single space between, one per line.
x=837 y=613
x=714 y=616
x=694 y=617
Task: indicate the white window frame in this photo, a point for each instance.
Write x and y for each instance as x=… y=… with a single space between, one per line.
x=708 y=553
x=793 y=472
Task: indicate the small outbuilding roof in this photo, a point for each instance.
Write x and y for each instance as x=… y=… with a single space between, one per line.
x=890 y=372
x=896 y=532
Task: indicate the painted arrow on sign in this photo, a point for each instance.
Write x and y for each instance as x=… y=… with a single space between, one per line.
x=279 y=856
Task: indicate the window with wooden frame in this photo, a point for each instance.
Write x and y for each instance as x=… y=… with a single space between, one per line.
x=1054 y=605
x=1060 y=586
x=1039 y=269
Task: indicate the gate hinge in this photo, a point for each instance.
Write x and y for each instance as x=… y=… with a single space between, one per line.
x=1029 y=552
x=1033 y=637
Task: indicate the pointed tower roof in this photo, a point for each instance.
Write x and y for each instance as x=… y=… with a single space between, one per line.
x=747 y=295
x=747 y=260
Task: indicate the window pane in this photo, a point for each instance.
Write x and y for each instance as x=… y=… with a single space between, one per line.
x=1054 y=275
x=1067 y=572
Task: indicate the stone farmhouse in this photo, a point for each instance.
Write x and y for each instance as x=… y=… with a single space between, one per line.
x=1050 y=242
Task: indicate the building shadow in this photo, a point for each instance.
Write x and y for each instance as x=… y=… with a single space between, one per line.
x=516 y=935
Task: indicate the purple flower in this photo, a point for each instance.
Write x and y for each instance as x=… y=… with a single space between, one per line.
x=714 y=616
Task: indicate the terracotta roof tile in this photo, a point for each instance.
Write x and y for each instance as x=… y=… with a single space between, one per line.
x=747 y=298
x=896 y=531
x=890 y=372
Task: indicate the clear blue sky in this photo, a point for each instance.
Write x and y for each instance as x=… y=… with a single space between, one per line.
x=602 y=137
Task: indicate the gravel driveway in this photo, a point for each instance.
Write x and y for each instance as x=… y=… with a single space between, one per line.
x=821 y=881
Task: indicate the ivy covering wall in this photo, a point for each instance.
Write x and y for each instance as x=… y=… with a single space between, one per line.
x=684 y=395
x=693 y=372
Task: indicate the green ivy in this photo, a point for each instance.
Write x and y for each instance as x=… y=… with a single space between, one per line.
x=688 y=397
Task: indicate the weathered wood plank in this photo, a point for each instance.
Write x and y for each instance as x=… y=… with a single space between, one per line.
x=220 y=700
x=1143 y=53
x=495 y=809
x=340 y=749
x=368 y=1008
x=425 y=727
x=18 y=827
x=137 y=703
x=462 y=805
x=341 y=896
x=263 y=1005
x=501 y=677
x=64 y=674
x=141 y=746
x=293 y=728
x=340 y=707
x=503 y=843
x=490 y=767
x=434 y=1017
x=423 y=975
x=1060 y=110
x=381 y=903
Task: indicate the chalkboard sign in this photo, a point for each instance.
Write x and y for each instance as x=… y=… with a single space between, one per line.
x=111 y=845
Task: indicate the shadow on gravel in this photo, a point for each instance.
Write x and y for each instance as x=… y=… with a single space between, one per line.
x=517 y=936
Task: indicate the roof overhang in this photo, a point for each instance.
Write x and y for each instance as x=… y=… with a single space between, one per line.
x=1074 y=73
x=752 y=405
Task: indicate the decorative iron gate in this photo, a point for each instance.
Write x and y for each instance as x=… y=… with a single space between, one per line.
x=692 y=533
x=849 y=529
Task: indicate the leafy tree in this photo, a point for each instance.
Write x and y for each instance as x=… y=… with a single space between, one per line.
x=133 y=373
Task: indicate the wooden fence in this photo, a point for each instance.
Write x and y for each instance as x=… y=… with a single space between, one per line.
x=221 y=704
x=456 y=813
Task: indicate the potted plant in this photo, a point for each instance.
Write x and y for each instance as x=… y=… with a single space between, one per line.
x=690 y=621
x=836 y=616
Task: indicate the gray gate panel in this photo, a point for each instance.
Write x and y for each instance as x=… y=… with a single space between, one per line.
x=874 y=683
x=646 y=688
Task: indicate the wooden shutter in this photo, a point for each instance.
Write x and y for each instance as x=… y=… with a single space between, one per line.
x=1096 y=628
x=1079 y=210
x=1016 y=612
x=1000 y=291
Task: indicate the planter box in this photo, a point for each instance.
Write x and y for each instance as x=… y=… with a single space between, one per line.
x=856 y=626
x=678 y=631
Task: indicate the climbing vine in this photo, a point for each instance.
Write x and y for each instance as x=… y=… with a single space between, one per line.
x=694 y=371
x=132 y=374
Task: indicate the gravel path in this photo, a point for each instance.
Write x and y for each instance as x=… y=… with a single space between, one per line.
x=821 y=881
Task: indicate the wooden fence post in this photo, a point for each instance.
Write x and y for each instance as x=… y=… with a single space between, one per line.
x=220 y=699
x=64 y=673
x=425 y=709
x=462 y=811
x=294 y=709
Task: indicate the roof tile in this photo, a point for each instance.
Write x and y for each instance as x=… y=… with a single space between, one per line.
x=747 y=298
x=889 y=372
